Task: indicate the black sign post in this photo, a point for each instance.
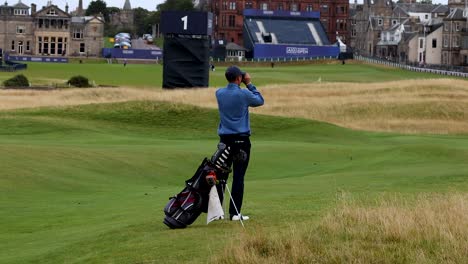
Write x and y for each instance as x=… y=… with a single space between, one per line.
x=186 y=48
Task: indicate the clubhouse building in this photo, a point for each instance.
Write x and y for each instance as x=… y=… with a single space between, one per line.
x=49 y=31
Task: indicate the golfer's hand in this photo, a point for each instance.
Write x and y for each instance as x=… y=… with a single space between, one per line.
x=247 y=79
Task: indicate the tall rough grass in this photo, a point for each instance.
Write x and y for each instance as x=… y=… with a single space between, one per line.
x=430 y=229
x=414 y=106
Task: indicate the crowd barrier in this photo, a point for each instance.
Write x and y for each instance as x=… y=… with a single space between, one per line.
x=411 y=68
x=283 y=59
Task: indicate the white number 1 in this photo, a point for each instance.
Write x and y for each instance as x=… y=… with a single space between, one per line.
x=185 y=19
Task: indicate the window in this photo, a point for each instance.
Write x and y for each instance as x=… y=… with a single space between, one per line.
x=434 y=43
x=51 y=12
x=380 y=22
x=82 y=48
x=280 y=6
x=446 y=27
x=27 y=46
x=294 y=7
x=232 y=5
x=20 y=29
x=77 y=33
x=45 y=45
x=421 y=43
x=445 y=41
x=232 y=21
x=323 y=9
x=39 y=41
x=225 y=5
x=59 y=46
x=457 y=26
x=12 y=45
x=248 y=5
x=456 y=41
x=353 y=32
x=340 y=9
x=223 y=20
x=52 y=45
x=309 y=8
x=426 y=16
x=264 y=6
x=445 y=58
x=20 y=12
x=394 y=21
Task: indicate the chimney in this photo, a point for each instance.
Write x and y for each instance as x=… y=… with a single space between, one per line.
x=33 y=9
x=66 y=8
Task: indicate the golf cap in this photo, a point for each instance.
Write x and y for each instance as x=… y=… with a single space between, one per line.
x=232 y=72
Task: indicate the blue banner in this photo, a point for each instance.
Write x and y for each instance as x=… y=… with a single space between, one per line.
x=294 y=51
x=36 y=59
x=131 y=53
x=280 y=13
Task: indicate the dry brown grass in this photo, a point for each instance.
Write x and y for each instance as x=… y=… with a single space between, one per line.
x=415 y=106
x=432 y=229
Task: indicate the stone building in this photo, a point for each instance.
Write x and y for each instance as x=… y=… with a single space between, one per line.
x=49 y=31
x=228 y=16
x=124 y=19
x=455 y=35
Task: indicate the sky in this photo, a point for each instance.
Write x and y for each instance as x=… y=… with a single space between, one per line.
x=146 y=4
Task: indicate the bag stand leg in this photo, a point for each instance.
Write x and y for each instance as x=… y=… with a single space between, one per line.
x=235 y=207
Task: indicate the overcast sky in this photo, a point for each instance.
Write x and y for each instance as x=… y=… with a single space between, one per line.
x=146 y=4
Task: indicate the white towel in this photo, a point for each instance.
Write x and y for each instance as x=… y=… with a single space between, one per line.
x=215 y=210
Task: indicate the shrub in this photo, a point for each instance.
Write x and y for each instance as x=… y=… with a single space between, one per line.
x=17 y=81
x=79 y=81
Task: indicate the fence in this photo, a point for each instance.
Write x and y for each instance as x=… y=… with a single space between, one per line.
x=283 y=59
x=411 y=68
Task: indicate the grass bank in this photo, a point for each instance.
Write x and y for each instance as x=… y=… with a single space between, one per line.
x=427 y=229
x=437 y=106
x=87 y=183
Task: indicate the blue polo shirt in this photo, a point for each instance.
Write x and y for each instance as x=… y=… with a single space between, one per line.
x=233 y=105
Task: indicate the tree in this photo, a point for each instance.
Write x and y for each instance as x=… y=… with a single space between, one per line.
x=97 y=7
x=179 y=5
x=141 y=21
x=426 y=2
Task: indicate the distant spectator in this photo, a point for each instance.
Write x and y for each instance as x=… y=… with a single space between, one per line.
x=125 y=62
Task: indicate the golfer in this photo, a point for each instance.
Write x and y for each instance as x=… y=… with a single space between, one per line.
x=234 y=130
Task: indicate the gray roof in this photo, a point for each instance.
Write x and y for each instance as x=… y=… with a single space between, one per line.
x=127 y=5
x=456 y=14
x=417 y=7
x=399 y=11
x=83 y=19
x=234 y=46
x=435 y=21
x=441 y=9
x=20 y=5
x=408 y=35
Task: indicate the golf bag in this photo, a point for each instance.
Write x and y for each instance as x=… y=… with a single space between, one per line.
x=184 y=208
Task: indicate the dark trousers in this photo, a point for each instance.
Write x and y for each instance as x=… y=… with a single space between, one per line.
x=239 y=160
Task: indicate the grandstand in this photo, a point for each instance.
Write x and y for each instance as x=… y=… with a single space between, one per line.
x=283 y=34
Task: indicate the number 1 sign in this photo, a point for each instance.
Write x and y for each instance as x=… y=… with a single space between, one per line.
x=189 y=23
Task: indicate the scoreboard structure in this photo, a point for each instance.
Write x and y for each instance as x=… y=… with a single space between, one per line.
x=186 y=48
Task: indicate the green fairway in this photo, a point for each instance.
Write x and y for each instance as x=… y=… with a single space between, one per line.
x=150 y=75
x=87 y=184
